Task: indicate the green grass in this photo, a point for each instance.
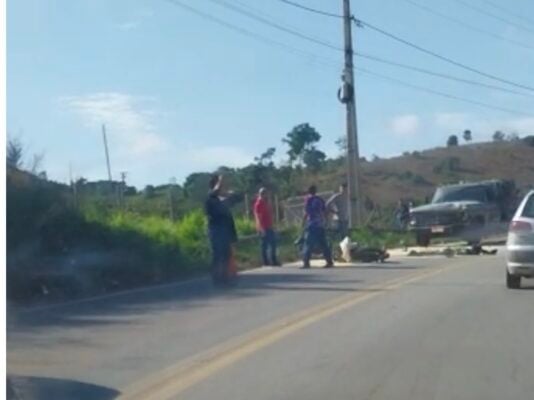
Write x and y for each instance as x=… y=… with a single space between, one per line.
x=387 y=239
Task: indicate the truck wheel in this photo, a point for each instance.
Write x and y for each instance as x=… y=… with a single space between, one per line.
x=422 y=239
x=512 y=281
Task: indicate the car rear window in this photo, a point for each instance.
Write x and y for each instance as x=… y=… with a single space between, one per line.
x=528 y=210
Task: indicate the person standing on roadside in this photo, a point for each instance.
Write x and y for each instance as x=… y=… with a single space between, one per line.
x=221 y=230
x=314 y=224
x=263 y=213
x=337 y=206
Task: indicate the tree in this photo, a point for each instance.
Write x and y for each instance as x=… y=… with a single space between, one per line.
x=14 y=153
x=36 y=162
x=130 y=191
x=149 y=191
x=341 y=143
x=452 y=141
x=498 y=136
x=302 y=138
x=196 y=186
x=314 y=159
x=266 y=158
x=528 y=140
x=512 y=137
x=467 y=135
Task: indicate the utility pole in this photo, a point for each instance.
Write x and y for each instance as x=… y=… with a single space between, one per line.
x=106 y=150
x=347 y=96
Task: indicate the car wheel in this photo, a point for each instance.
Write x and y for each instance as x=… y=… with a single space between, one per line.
x=512 y=281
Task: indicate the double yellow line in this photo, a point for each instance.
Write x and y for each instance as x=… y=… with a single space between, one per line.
x=172 y=381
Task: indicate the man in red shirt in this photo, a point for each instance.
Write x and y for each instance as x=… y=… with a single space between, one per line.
x=263 y=213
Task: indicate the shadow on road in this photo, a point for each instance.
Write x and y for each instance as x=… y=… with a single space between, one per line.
x=40 y=388
x=128 y=308
x=392 y=265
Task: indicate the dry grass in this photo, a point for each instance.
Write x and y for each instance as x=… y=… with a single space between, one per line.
x=415 y=176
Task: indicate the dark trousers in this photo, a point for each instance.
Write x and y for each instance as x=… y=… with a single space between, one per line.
x=221 y=250
x=268 y=247
x=342 y=229
x=315 y=239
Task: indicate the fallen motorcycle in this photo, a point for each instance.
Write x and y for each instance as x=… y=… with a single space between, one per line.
x=366 y=254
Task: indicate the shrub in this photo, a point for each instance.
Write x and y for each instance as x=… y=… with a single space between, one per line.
x=191 y=231
x=420 y=181
x=245 y=226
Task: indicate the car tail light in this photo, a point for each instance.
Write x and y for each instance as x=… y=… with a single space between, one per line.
x=520 y=226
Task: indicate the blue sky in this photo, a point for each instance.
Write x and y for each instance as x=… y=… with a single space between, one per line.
x=179 y=93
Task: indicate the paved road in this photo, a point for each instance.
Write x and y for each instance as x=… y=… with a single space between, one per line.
x=429 y=328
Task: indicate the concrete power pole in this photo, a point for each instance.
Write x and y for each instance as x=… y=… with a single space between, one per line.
x=107 y=151
x=348 y=96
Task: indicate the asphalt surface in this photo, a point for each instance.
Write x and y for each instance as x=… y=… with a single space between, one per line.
x=414 y=328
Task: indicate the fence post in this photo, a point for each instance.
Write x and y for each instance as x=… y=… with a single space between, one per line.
x=247 y=211
x=276 y=209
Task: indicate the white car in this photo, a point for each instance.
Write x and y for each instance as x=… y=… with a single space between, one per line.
x=520 y=244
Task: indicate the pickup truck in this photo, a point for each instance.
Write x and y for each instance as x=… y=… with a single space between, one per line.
x=467 y=211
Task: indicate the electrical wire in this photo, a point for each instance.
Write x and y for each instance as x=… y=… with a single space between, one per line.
x=361 y=23
x=506 y=11
x=441 y=94
x=313 y=10
x=494 y=16
x=275 y=24
x=257 y=15
x=468 y=26
x=439 y=74
x=325 y=62
x=308 y=55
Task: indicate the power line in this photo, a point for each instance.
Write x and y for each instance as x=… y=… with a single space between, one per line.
x=360 y=22
x=506 y=11
x=326 y=62
x=439 y=74
x=468 y=26
x=255 y=16
x=441 y=94
x=275 y=25
x=313 y=10
x=261 y=38
x=494 y=16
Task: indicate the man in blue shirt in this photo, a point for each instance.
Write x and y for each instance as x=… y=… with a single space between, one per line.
x=221 y=230
x=314 y=224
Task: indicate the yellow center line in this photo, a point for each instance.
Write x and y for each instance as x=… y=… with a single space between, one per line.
x=173 y=380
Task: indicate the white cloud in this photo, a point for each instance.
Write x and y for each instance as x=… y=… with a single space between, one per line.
x=126 y=117
x=215 y=156
x=128 y=26
x=136 y=19
x=524 y=126
x=482 y=127
x=405 y=125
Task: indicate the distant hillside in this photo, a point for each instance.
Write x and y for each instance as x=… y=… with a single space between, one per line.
x=415 y=175
x=411 y=177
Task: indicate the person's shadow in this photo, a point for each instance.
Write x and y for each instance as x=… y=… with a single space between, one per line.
x=41 y=388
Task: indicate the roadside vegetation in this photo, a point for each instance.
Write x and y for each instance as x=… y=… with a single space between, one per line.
x=71 y=241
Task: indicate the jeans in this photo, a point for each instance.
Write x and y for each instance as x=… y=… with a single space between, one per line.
x=268 y=247
x=342 y=229
x=221 y=250
x=315 y=239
